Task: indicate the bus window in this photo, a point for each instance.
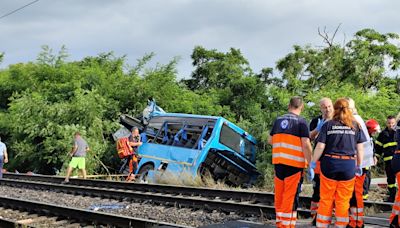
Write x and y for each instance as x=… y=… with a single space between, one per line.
x=235 y=141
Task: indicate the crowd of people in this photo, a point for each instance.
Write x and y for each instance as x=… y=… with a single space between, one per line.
x=339 y=162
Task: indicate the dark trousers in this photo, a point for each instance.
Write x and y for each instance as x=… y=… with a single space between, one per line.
x=391 y=180
x=367 y=181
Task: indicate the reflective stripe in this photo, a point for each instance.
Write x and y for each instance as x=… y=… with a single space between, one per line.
x=322 y=224
x=391 y=185
x=323 y=217
x=390 y=144
x=289 y=215
x=342 y=219
x=396 y=204
x=377 y=155
x=365 y=196
x=285 y=223
x=387 y=158
x=288 y=156
x=395 y=212
x=355 y=210
x=278 y=216
x=340 y=226
x=378 y=143
x=288 y=146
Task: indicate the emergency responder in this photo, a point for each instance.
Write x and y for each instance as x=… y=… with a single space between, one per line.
x=385 y=146
x=340 y=143
x=134 y=142
x=326 y=107
x=395 y=216
x=291 y=151
x=373 y=128
x=357 y=201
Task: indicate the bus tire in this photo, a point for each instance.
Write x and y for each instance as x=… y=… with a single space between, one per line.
x=143 y=171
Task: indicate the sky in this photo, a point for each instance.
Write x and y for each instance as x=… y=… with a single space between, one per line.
x=264 y=30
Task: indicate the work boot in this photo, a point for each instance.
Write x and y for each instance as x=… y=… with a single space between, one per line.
x=131 y=177
x=395 y=223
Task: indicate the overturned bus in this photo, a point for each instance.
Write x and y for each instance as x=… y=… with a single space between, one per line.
x=194 y=144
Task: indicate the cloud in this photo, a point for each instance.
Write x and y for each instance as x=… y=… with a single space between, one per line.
x=264 y=30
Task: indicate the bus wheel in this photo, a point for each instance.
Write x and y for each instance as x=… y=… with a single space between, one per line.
x=144 y=171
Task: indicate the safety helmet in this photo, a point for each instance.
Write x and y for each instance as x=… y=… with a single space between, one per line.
x=372 y=126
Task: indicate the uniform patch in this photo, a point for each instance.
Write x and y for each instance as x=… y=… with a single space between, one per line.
x=284 y=124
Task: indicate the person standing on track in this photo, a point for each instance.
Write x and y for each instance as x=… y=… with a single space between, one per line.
x=291 y=151
x=78 y=154
x=395 y=216
x=385 y=146
x=326 y=107
x=3 y=156
x=357 y=200
x=340 y=148
x=134 y=142
x=373 y=128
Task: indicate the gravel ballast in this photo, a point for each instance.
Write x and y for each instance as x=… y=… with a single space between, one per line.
x=182 y=216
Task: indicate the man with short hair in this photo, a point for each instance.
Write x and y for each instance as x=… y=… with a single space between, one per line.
x=291 y=151
x=78 y=154
x=134 y=142
x=385 y=146
x=3 y=156
x=326 y=108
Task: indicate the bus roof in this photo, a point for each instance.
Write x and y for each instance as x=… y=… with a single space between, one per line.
x=184 y=115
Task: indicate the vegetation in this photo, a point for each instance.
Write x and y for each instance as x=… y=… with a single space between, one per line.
x=42 y=103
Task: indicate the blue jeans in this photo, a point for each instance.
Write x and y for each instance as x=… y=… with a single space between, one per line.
x=1 y=166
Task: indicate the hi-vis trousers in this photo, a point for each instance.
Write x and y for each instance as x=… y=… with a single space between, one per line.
x=338 y=192
x=395 y=216
x=286 y=196
x=357 y=203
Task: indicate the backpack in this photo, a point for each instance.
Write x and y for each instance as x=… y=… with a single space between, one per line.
x=123 y=148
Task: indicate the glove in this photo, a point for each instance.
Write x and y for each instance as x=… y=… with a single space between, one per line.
x=320 y=124
x=359 y=171
x=311 y=172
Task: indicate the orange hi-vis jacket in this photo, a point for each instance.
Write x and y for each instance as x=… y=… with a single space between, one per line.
x=286 y=133
x=287 y=150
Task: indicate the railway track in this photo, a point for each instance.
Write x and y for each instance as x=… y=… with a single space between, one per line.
x=246 y=202
x=51 y=215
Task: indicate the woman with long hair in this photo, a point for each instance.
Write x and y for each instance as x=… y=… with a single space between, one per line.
x=339 y=145
x=395 y=216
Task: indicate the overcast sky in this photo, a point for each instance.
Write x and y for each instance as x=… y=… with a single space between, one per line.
x=264 y=30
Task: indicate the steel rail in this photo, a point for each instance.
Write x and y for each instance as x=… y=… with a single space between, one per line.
x=259 y=209
x=236 y=195
x=81 y=215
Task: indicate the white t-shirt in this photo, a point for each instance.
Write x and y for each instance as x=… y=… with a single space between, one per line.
x=368 y=145
x=2 y=148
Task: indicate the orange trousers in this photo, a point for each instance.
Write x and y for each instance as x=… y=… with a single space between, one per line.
x=357 y=203
x=335 y=194
x=396 y=207
x=286 y=191
x=133 y=165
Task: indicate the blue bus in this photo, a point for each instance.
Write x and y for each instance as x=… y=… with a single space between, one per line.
x=194 y=144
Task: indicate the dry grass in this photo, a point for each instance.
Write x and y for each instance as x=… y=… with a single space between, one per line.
x=186 y=178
